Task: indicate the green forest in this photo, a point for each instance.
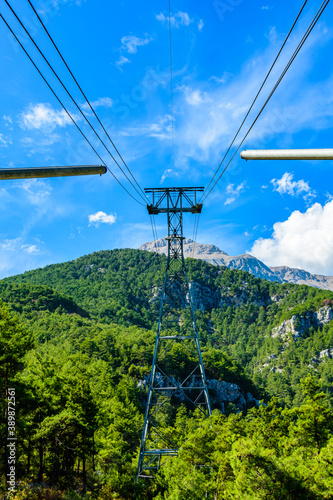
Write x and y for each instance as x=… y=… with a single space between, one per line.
x=76 y=343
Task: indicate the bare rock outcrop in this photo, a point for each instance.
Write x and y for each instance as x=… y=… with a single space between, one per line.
x=298 y=324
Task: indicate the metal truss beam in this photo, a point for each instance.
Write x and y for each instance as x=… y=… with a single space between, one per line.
x=163 y=387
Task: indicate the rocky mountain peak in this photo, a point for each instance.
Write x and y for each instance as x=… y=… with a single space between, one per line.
x=245 y=262
x=191 y=249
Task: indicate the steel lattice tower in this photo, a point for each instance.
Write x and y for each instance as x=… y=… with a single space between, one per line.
x=156 y=447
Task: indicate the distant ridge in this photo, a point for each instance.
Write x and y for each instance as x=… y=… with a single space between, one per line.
x=246 y=262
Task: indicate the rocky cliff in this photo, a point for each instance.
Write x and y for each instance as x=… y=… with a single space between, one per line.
x=298 y=325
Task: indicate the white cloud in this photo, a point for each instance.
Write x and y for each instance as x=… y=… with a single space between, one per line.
x=56 y=3
x=4 y=141
x=183 y=18
x=37 y=191
x=304 y=240
x=11 y=245
x=201 y=24
x=168 y=173
x=30 y=249
x=226 y=76
x=205 y=130
x=102 y=218
x=266 y=7
x=43 y=116
x=7 y=119
x=40 y=144
x=161 y=129
x=121 y=61
x=233 y=193
x=272 y=35
x=178 y=19
x=102 y=102
x=286 y=185
x=131 y=43
x=161 y=17
x=194 y=97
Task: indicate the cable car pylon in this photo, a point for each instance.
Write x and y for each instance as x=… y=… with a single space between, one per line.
x=156 y=447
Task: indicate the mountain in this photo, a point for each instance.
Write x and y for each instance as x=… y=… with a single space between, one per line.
x=245 y=262
x=293 y=275
x=213 y=255
x=236 y=314
x=80 y=354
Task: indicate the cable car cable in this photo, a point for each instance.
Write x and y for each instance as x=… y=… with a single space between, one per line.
x=300 y=45
x=65 y=109
x=84 y=95
x=256 y=97
x=72 y=98
x=171 y=92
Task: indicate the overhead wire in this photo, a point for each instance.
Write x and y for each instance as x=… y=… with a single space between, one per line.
x=152 y=219
x=84 y=96
x=300 y=45
x=257 y=95
x=195 y=233
x=207 y=191
x=171 y=91
x=66 y=110
x=73 y=100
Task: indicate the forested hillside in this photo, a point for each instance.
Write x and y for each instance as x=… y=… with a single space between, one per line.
x=81 y=359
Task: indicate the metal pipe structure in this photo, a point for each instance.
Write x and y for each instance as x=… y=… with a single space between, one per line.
x=36 y=172
x=163 y=387
x=287 y=154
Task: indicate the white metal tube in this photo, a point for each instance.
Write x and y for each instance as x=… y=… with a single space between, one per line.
x=287 y=154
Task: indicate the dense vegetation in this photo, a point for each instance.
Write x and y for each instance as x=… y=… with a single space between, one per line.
x=83 y=344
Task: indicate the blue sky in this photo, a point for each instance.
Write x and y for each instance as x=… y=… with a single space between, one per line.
x=119 y=52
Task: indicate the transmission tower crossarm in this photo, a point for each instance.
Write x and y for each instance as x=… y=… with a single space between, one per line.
x=41 y=172
x=174 y=200
x=287 y=154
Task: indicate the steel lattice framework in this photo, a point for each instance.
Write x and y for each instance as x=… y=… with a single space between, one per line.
x=164 y=388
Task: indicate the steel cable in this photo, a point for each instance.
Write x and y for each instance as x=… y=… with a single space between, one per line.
x=84 y=95
x=291 y=60
x=65 y=109
x=256 y=97
x=171 y=92
x=71 y=97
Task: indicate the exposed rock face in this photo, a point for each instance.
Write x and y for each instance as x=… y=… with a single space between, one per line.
x=209 y=253
x=230 y=393
x=301 y=277
x=205 y=298
x=324 y=315
x=247 y=262
x=326 y=353
x=295 y=326
x=222 y=392
x=213 y=255
x=298 y=325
